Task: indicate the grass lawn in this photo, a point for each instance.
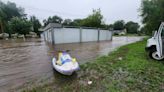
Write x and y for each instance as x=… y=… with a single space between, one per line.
x=129 y=69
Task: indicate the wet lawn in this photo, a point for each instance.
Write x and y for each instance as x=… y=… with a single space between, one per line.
x=128 y=69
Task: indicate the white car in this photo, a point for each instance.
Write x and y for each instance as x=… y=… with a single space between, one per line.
x=155 y=45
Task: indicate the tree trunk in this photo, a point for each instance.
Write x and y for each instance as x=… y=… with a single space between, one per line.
x=9 y=35
x=1 y=27
x=2 y=31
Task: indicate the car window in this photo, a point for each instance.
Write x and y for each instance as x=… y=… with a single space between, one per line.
x=162 y=34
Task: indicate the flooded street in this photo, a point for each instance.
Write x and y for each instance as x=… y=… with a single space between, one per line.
x=28 y=62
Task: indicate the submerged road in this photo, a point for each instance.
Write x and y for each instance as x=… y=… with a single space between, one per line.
x=23 y=63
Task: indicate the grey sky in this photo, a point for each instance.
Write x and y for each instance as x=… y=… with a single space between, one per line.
x=112 y=10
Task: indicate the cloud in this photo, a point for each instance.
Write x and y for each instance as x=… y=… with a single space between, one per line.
x=112 y=10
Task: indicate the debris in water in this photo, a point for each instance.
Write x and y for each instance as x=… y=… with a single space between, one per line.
x=89 y=82
x=120 y=58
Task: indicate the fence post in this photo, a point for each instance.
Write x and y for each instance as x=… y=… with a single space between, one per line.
x=98 y=38
x=47 y=36
x=111 y=35
x=80 y=34
x=44 y=36
x=53 y=36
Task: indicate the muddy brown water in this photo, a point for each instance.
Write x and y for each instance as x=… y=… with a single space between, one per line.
x=28 y=62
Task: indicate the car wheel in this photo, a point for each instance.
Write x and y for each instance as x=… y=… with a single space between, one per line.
x=153 y=55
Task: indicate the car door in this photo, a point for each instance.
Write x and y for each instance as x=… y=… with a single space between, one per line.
x=162 y=41
x=159 y=40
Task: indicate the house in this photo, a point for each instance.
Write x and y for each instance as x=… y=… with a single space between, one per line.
x=119 y=32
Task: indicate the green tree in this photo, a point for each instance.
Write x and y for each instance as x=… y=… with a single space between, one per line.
x=132 y=27
x=67 y=22
x=7 y=11
x=76 y=22
x=35 y=24
x=20 y=26
x=110 y=27
x=53 y=19
x=93 y=20
x=119 y=25
x=152 y=12
x=2 y=17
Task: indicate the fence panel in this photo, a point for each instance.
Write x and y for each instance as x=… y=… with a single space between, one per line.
x=89 y=35
x=105 y=35
x=66 y=35
x=76 y=35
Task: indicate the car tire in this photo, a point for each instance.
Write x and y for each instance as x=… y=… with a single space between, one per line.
x=153 y=55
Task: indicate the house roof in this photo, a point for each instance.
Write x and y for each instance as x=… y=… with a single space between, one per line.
x=52 y=25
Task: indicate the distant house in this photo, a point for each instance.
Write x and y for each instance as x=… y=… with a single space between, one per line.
x=119 y=32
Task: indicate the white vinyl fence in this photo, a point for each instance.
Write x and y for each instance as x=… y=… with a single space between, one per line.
x=75 y=35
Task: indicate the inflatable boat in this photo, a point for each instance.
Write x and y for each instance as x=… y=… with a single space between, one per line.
x=65 y=64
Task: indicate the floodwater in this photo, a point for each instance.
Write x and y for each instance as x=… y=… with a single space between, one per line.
x=29 y=62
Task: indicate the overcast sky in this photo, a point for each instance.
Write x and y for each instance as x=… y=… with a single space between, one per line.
x=112 y=10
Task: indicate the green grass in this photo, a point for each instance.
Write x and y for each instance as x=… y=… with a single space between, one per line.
x=129 y=69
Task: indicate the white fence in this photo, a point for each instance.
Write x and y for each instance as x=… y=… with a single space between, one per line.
x=75 y=35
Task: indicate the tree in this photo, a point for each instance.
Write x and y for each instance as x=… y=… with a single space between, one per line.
x=20 y=26
x=119 y=25
x=67 y=22
x=76 y=22
x=35 y=25
x=54 y=19
x=11 y=10
x=8 y=11
x=132 y=27
x=2 y=17
x=152 y=12
x=110 y=27
x=93 y=20
x=142 y=30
